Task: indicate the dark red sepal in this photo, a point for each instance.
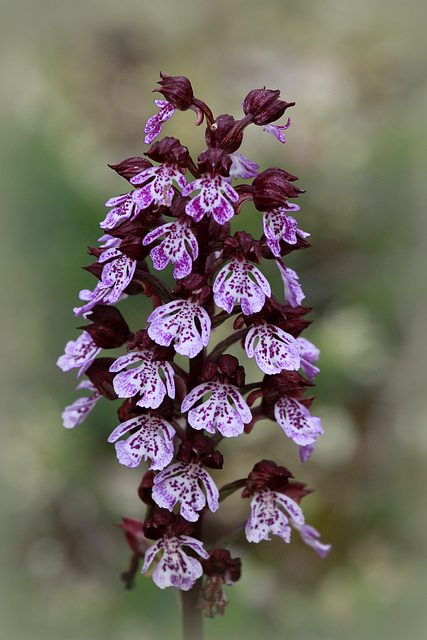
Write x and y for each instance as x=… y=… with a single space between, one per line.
x=164 y=523
x=100 y=376
x=131 y=167
x=200 y=447
x=296 y=490
x=141 y=339
x=215 y=162
x=160 y=523
x=286 y=383
x=218 y=132
x=266 y=475
x=129 y=409
x=177 y=90
x=145 y=488
x=227 y=368
x=220 y=564
x=134 y=229
x=245 y=244
x=178 y=205
x=108 y=328
x=272 y=188
x=191 y=284
x=169 y=150
x=264 y=105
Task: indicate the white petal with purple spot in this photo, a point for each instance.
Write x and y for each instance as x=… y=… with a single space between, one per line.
x=160 y=189
x=79 y=353
x=296 y=421
x=217 y=412
x=292 y=289
x=267 y=516
x=124 y=209
x=74 y=414
x=235 y=284
x=273 y=348
x=178 y=238
x=309 y=354
x=175 y=569
x=241 y=167
x=310 y=536
x=181 y=482
x=277 y=130
x=210 y=200
x=174 y=322
x=279 y=225
x=153 y=439
x=116 y=276
x=154 y=124
x=144 y=379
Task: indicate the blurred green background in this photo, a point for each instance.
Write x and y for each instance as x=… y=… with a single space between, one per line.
x=76 y=81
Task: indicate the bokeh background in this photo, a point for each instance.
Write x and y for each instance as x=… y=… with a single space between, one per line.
x=76 y=81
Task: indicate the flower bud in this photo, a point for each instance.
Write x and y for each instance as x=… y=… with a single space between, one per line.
x=108 y=328
x=100 y=376
x=216 y=133
x=177 y=90
x=214 y=161
x=130 y=167
x=145 y=488
x=220 y=564
x=264 y=106
x=272 y=188
x=221 y=569
x=266 y=474
x=201 y=447
x=170 y=150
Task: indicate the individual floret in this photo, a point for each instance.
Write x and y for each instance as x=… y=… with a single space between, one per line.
x=267 y=516
x=275 y=350
x=153 y=439
x=235 y=284
x=217 y=412
x=174 y=322
x=116 y=276
x=181 y=482
x=144 y=379
x=154 y=124
x=296 y=421
x=177 y=237
x=79 y=353
x=175 y=569
x=74 y=414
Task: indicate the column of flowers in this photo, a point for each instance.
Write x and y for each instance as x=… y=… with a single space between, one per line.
x=173 y=417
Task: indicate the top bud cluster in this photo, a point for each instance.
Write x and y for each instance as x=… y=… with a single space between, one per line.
x=178 y=211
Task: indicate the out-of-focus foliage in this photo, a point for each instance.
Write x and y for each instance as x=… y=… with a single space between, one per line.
x=76 y=82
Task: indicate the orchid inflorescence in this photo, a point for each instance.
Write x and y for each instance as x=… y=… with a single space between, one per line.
x=176 y=416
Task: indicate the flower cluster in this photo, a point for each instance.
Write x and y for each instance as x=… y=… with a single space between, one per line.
x=177 y=212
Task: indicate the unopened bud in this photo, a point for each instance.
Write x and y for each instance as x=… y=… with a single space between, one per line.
x=264 y=106
x=177 y=90
x=272 y=188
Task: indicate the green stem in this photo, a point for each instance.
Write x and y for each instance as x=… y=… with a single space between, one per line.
x=191 y=613
x=191 y=610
